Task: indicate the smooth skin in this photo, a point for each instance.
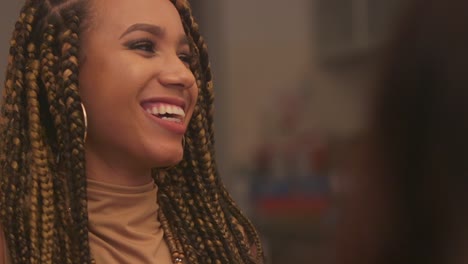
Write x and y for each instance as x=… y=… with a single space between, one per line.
x=133 y=51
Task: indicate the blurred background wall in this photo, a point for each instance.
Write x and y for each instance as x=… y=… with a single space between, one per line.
x=290 y=82
x=9 y=11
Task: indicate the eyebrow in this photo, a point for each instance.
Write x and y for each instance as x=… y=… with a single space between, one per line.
x=184 y=41
x=154 y=30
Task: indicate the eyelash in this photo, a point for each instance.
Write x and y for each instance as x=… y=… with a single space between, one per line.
x=145 y=45
x=186 y=58
x=148 y=46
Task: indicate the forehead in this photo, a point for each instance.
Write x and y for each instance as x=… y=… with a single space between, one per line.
x=119 y=14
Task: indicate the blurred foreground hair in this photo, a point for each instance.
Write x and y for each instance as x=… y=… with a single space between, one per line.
x=410 y=177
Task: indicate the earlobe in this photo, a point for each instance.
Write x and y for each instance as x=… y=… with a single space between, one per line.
x=253 y=251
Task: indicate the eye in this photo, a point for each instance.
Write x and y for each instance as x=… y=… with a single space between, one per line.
x=145 y=45
x=186 y=58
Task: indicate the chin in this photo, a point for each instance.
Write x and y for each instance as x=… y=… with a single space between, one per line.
x=161 y=154
x=168 y=163
x=168 y=159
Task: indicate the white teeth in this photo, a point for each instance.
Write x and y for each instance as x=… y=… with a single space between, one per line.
x=166 y=109
x=179 y=111
x=177 y=120
x=163 y=109
x=171 y=109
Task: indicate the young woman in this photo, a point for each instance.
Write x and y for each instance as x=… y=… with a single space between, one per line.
x=106 y=140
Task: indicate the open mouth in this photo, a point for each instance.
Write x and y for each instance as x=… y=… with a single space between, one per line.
x=167 y=112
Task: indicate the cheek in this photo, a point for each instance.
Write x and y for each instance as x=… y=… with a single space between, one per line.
x=194 y=94
x=108 y=80
x=102 y=96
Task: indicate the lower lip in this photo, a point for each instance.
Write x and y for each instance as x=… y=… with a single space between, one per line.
x=177 y=128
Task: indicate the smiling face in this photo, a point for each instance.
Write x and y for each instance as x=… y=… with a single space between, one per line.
x=135 y=83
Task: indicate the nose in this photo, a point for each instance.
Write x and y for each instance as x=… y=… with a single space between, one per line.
x=176 y=74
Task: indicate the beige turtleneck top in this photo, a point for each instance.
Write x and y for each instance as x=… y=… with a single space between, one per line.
x=123 y=225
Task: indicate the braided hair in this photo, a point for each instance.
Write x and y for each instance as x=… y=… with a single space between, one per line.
x=43 y=203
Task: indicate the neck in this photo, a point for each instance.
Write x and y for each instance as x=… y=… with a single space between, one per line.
x=114 y=170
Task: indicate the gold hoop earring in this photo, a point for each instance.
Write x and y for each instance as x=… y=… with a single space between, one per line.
x=85 y=118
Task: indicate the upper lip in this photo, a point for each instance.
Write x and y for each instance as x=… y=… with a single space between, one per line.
x=168 y=100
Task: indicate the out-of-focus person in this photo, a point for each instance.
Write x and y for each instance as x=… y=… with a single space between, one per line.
x=407 y=201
